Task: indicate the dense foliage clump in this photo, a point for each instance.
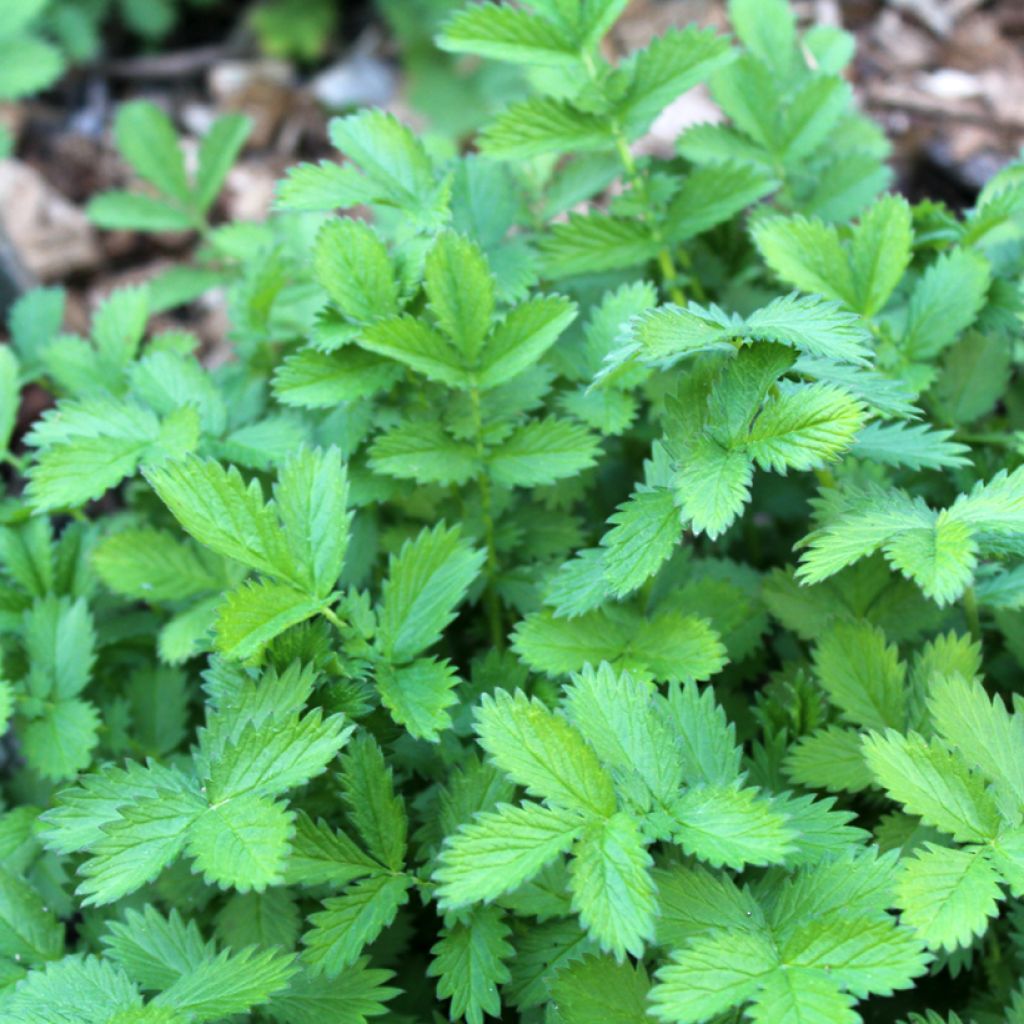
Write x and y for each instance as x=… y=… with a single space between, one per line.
x=593 y=593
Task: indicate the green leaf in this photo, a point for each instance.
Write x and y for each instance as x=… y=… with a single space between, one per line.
x=913 y=445
x=542 y=452
x=712 y=975
x=986 y=735
x=805 y=428
x=10 y=392
x=396 y=170
x=595 y=242
x=508 y=34
x=671 y=646
x=320 y=855
x=147 y=140
x=948 y=895
x=29 y=931
x=469 y=963
x=154 y=565
x=310 y=379
x=27 y=65
x=142 y=839
x=155 y=951
x=645 y=533
x=425 y=452
x=354 y=267
x=377 y=813
x=421 y=348
x=216 y=507
x=706 y=740
x=59 y=744
x=252 y=615
x=713 y=485
x=725 y=825
x=614 y=713
x=880 y=252
x=944 y=302
x=352 y=997
x=460 y=290
x=60 y=642
x=673 y=63
x=242 y=842
x=934 y=784
x=349 y=922
x=218 y=151
x=311 y=494
x=418 y=695
x=597 y=990
x=268 y=761
x=862 y=676
x=501 y=849
x=612 y=888
x=543 y=753
x=544 y=125
x=808 y=255
x=426 y=581
x=229 y=984
x=90 y=446
x=712 y=194
x=803 y=997
x=519 y=340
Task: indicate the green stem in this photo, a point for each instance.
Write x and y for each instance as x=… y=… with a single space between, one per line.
x=970 y=607
x=666 y=263
x=329 y=614
x=492 y=603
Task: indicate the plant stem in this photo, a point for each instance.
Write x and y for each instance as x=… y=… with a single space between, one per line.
x=666 y=263
x=970 y=607
x=330 y=615
x=492 y=604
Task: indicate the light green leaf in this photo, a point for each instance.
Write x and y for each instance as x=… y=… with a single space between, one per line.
x=426 y=581
x=543 y=452
x=543 y=753
x=242 y=843
x=725 y=825
x=349 y=922
x=469 y=964
x=460 y=289
x=250 y=616
x=501 y=849
x=352 y=264
x=612 y=888
x=948 y=895
x=519 y=340
x=862 y=675
x=418 y=695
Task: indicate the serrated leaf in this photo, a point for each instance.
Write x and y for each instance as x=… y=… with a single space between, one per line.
x=242 y=843
x=349 y=922
x=948 y=895
x=426 y=581
x=353 y=266
x=725 y=825
x=612 y=888
x=252 y=615
x=543 y=753
x=418 y=695
x=229 y=984
x=543 y=452
x=501 y=849
x=468 y=961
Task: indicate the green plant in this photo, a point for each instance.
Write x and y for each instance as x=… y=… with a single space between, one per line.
x=443 y=654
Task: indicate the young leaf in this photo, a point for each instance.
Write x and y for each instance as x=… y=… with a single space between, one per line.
x=426 y=581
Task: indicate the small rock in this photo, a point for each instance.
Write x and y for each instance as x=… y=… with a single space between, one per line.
x=53 y=237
